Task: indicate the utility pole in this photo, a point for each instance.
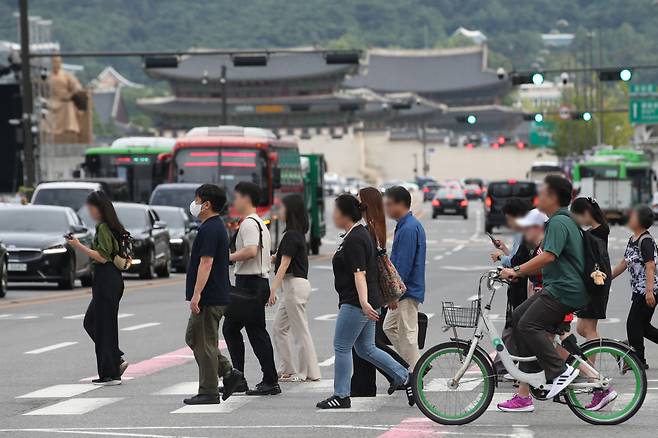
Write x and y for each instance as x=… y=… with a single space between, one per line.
x=601 y=134
x=26 y=94
x=222 y=81
x=426 y=166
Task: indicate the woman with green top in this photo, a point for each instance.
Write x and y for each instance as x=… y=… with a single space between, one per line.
x=101 y=318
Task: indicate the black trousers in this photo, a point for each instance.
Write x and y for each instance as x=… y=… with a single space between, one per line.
x=101 y=318
x=638 y=326
x=530 y=322
x=364 y=375
x=256 y=331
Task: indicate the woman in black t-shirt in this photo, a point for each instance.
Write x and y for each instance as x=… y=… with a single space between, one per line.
x=291 y=320
x=356 y=281
x=587 y=213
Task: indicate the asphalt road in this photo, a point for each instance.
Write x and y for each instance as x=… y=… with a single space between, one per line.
x=47 y=359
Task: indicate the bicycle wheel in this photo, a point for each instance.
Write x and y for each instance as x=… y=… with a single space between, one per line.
x=628 y=384
x=444 y=403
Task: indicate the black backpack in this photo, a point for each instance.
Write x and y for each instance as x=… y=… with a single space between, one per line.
x=125 y=252
x=596 y=259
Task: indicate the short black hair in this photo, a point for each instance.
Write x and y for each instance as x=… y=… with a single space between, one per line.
x=561 y=187
x=516 y=207
x=349 y=206
x=399 y=195
x=644 y=216
x=252 y=190
x=213 y=194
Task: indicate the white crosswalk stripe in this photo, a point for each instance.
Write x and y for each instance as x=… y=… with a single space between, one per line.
x=51 y=347
x=224 y=407
x=75 y=406
x=140 y=326
x=60 y=391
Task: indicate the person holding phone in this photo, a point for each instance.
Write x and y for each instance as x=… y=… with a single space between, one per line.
x=101 y=319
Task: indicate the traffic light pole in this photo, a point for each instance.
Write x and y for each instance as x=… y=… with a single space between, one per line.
x=222 y=81
x=26 y=94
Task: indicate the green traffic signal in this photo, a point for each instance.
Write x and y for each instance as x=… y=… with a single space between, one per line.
x=539 y=117
x=537 y=78
x=587 y=116
x=471 y=119
x=625 y=75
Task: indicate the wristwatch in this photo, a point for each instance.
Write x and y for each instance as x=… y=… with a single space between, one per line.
x=517 y=269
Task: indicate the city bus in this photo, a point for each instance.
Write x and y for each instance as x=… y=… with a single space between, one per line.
x=227 y=155
x=142 y=162
x=621 y=177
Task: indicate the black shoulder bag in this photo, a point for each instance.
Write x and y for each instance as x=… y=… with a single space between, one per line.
x=245 y=304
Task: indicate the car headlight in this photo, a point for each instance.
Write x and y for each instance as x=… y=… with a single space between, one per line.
x=57 y=249
x=176 y=240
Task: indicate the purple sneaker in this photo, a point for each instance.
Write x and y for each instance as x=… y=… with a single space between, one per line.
x=601 y=399
x=517 y=404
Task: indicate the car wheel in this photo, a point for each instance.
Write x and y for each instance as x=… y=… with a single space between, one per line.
x=148 y=269
x=69 y=281
x=4 y=279
x=165 y=270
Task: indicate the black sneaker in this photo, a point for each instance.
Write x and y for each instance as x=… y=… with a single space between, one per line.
x=123 y=366
x=411 y=400
x=265 y=389
x=202 y=399
x=107 y=381
x=231 y=383
x=242 y=388
x=335 y=402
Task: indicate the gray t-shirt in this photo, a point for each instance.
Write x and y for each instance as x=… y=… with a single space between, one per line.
x=249 y=235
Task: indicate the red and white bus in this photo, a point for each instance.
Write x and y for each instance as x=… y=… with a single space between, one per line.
x=227 y=155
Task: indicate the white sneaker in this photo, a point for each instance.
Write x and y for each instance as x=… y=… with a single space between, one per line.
x=562 y=381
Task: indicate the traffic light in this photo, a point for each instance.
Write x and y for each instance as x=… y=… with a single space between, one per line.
x=585 y=116
x=534 y=117
x=539 y=117
x=623 y=74
x=471 y=119
x=536 y=78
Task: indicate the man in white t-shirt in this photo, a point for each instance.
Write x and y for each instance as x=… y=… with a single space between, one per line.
x=252 y=268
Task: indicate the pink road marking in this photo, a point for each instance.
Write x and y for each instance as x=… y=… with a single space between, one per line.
x=413 y=427
x=158 y=363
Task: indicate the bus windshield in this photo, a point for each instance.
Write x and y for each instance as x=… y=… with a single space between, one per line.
x=611 y=171
x=225 y=167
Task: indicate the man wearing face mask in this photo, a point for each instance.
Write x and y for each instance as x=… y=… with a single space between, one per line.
x=207 y=290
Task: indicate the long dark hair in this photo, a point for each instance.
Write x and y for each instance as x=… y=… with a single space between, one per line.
x=582 y=205
x=372 y=204
x=296 y=215
x=102 y=202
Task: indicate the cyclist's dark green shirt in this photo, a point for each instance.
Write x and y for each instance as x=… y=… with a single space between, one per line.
x=563 y=278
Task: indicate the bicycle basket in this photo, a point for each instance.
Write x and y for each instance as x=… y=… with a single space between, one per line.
x=458 y=316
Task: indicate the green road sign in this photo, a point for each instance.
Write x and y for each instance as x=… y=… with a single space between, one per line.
x=541 y=134
x=643 y=90
x=643 y=111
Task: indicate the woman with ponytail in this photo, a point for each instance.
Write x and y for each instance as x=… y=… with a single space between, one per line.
x=356 y=281
x=587 y=213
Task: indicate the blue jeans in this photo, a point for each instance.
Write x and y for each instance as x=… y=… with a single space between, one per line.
x=354 y=329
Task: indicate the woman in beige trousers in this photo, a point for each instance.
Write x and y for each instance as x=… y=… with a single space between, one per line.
x=291 y=320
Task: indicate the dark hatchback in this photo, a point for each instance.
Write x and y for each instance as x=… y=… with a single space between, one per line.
x=498 y=193
x=182 y=232
x=450 y=201
x=37 y=249
x=175 y=195
x=151 y=254
x=429 y=190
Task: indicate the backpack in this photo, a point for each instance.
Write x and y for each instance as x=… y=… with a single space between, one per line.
x=597 y=275
x=123 y=257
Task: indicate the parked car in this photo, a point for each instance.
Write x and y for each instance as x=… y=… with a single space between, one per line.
x=472 y=191
x=498 y=193
x=73 y=194
x=36 y=246
x=4 y=261
x=334 y=184
x=353 y=185
x=151 y=254
x=175 y=195
x=450 y=201
x=182 y=232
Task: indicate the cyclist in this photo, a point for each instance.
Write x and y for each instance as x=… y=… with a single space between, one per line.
x=561 y=263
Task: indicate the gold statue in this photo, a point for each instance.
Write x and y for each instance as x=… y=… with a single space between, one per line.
x=63 y=123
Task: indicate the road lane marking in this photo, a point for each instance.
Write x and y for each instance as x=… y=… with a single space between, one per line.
x=132 y=328
x=323 y=267
x=61 y=391
x=458 y=248
x=51 y=347
x=5 y=315
x=466 y=268
x=77 y=316
x=322 y=385
x=224 y=407
x=328 y=362
x=75 y=406
x=439 y=257
x=327 y=317
x=182 y=388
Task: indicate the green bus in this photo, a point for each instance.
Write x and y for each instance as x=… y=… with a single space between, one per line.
x=142 y=162
x=620 y=164
x=313 y=167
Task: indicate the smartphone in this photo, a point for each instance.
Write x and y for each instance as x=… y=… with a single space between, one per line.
x=68 y=236
x=495 y=241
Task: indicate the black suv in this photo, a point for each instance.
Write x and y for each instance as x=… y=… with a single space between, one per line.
x=498 y=193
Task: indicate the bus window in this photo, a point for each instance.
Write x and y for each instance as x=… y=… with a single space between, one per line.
x=641 y=182
x=599 y=171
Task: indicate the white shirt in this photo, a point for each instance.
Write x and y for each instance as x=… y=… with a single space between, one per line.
x=249 y=235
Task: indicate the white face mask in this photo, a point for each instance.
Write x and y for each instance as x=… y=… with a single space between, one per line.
x=195 y=209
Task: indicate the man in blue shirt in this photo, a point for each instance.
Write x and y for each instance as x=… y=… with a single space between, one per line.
x=408 y=257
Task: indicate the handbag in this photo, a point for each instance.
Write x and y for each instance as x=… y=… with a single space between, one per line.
x=423 y=322
x=245 y=304
x=391 y=286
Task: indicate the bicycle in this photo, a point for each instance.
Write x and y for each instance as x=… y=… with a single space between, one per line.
x=454 y=382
